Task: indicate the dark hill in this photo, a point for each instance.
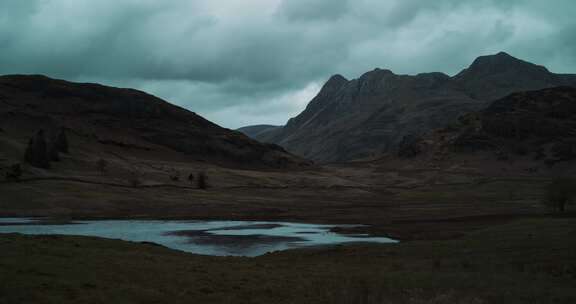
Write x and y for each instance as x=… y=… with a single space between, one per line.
x=126 y=118
x=539 y=125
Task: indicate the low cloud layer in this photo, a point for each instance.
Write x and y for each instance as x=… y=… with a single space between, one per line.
x=242 y=62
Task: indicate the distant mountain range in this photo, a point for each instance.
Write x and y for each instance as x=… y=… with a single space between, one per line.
x=376 y=113
x=257 y=130
x=132 y=123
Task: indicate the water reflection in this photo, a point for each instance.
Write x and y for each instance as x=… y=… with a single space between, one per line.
x=222 y=238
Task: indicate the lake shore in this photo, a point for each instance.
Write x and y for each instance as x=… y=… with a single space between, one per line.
x=483 y=267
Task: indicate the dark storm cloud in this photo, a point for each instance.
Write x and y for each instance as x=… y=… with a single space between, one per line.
x=258 y=61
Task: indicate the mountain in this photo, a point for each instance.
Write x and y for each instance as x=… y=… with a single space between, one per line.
x=98 y=117
x=352 y=119
x=539 y=125
x=257 y=130
x=492 y=77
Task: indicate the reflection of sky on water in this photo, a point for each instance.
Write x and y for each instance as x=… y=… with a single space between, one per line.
x=217 y=237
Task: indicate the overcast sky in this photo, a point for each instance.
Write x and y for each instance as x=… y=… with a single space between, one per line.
x=243 y=62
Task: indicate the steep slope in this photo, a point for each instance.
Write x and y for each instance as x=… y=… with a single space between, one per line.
x=351 y=119
x=129 y=119
x=539 y=125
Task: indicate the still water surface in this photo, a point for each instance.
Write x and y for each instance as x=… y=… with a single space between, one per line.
x=222 y=238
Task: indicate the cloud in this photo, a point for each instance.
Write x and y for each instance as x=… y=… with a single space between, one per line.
x=315 y=10
x=242 y=62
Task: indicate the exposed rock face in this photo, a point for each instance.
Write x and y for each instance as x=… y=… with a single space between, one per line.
x=127 y=118
x=539 y=124
x=357 y=118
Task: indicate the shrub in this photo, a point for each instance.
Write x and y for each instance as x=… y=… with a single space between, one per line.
x=101 y=165
x=174 y=175
x=202 y=180
x=14 y=172
x=135 y=179
x=559 y=193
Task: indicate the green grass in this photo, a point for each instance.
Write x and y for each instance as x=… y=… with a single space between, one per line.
x=531 y=261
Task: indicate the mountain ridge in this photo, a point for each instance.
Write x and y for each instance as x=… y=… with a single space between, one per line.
x=350 y=119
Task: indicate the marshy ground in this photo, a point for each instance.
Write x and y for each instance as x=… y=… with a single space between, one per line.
x=527 y=261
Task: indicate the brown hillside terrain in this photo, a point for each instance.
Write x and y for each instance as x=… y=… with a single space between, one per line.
x=537 y=125
x=104 y=117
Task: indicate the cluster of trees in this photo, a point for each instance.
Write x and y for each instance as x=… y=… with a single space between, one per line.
x=40 y=151
x=200 y=179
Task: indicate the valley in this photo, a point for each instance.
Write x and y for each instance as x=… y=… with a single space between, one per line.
x=468 y=200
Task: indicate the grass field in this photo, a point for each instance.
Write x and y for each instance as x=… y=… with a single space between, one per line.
x=528 y=261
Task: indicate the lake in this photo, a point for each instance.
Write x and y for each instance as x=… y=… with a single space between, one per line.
x=221 y=238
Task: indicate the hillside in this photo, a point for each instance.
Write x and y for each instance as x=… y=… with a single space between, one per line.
x=537 y=125
x=101 y=121
x=359 y=118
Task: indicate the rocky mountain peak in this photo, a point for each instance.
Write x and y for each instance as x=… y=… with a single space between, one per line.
x=333 y=85
x=493 y=76
x=336 y=80
x=375 y=74
x=500 y=63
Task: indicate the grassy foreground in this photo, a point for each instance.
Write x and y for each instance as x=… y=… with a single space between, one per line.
x=530 y=261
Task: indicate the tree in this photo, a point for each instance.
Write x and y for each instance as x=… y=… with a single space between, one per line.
x=61 y=141
x=559 y=193
x=53 y=152
x=202 y=180
x=37 y=153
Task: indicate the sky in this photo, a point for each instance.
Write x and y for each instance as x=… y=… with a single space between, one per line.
x=245 y=62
